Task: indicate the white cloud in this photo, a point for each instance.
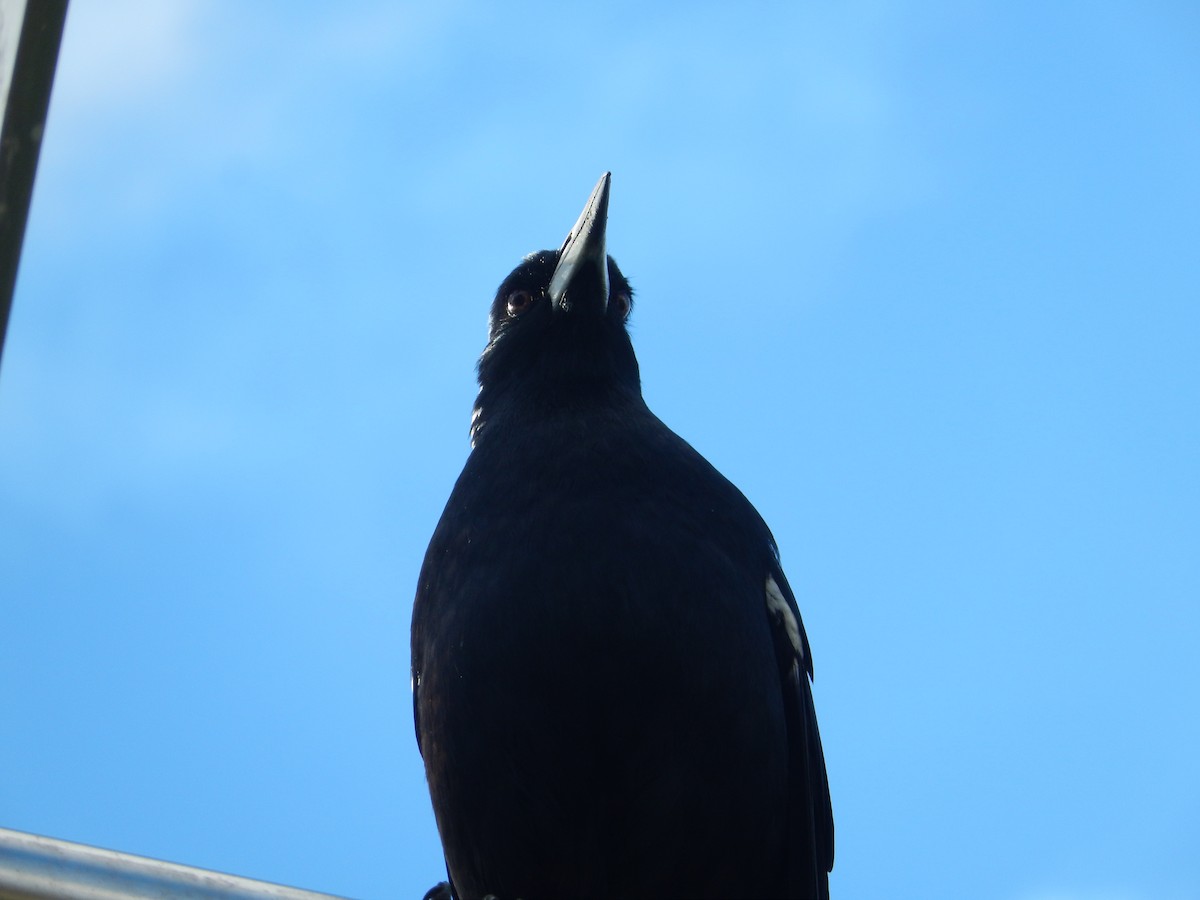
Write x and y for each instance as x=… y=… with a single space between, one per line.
x=117 y=51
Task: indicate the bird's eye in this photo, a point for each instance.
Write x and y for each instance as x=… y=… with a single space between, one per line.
x=518 y=302
x=622 y=302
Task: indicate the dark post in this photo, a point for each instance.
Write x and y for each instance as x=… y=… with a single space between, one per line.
x=24 y=124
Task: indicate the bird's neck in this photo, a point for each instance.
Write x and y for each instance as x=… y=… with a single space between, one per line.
x=513 y=410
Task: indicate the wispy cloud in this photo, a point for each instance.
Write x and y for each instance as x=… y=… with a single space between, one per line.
x=119 y=52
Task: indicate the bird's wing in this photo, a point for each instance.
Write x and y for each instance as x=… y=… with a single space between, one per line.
x=421 y=610
x=416 y=687
x=811 y=811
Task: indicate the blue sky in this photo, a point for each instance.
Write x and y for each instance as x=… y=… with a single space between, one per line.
x=921 y=279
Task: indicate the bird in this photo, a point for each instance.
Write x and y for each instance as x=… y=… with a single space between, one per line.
x=611 y=679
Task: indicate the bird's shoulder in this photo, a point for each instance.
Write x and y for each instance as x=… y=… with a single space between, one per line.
x=600 y=496
x=618 y=455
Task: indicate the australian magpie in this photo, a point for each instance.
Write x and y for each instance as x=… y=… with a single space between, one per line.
x=610 y=675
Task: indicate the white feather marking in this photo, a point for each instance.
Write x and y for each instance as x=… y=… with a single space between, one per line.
x=475 y=424
x=777 y=605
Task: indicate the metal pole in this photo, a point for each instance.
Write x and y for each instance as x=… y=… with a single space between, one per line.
x=25 y=107
x=42 y=868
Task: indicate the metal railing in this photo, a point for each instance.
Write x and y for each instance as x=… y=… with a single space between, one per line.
x=42 y=868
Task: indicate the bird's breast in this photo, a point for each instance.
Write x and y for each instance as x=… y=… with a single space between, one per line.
x=580 y=615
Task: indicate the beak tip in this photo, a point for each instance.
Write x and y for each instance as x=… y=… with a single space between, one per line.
x=585 y=244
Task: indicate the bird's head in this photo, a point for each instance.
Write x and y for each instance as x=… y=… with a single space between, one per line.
x=557 y=337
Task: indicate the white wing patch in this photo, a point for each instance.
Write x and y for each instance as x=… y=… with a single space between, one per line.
x=475 y=414
x=777 y=605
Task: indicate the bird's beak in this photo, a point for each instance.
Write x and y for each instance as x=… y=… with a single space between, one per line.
x=581 y=278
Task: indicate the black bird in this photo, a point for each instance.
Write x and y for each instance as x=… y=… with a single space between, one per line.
x=610 y=675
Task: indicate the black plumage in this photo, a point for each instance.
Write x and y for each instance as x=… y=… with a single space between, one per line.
x=610 y=674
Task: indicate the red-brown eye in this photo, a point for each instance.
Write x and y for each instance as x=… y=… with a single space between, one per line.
x=518 y=302
x=622 y=302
